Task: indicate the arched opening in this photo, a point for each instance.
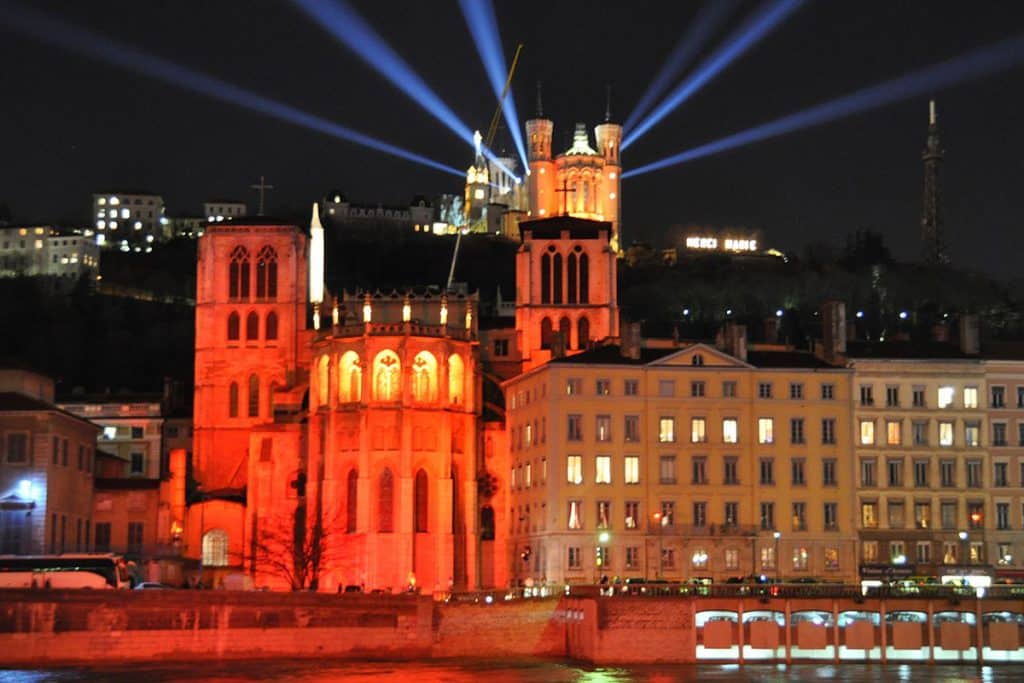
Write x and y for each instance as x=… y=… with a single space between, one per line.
x=323 y=380
x=238 y=273
x=545 y=279
x=387 y=370
x=271 y=331
x=420 y=507
x=233 y=400
x=545 y=333
x=556 y=280
x=254 y=396
x=584 y=294
x=424 y=377
x=582 y=332
x=386 y=502
x=215 y=548
x=350 y=378
x=456 y=379
x=351 y=501
x=572 y=278
x=565 y=332
x=234 y=326
x=252 y=326
x=266 y=273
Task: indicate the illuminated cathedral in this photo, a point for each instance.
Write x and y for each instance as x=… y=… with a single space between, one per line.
x=343 y=440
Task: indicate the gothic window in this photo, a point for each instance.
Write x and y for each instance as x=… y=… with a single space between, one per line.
x=387 y=370
x=323 y=381
x=266 y=273
x=545 y=278
x=254 y=396
x=271 y=330
x=584 y=296
x=565 y=331
x=215 y=548
x=233 y=400
x=545 y=333
x=424 y=377
x=420 y=502
x=238 y=274
x=586 y=195
x=252 y=326
x=582 y=332
x=456 y=379
x=350 y=378
x=556 y=280
x=571 y=263
x=351 y=501
x=385 y=502
x=234 y=326
x=487 y=523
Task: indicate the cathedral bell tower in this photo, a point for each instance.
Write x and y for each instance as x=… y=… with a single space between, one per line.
x=609 y=138
x=541 y=180
x=566 y=294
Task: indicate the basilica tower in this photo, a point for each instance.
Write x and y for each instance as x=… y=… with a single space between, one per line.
x=541 y=180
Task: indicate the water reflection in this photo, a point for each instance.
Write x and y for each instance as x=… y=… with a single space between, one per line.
x=458 y=671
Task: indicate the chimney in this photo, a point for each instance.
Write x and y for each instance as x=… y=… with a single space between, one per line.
x=833 y=324
x=630 y=347
x=771 y=330
x=734 y=340
x=970 y=342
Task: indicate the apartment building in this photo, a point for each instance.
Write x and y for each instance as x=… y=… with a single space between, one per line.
x=681 y=462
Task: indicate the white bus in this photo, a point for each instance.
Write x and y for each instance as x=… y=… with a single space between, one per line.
x=72 y=570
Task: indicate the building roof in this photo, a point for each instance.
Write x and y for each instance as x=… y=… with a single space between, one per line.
x=906 y=350
x=551 y=228
x=611 y=354
x=787 y=359
x=12 y=402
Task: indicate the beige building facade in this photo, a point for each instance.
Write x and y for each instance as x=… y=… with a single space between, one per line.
x=681 y=463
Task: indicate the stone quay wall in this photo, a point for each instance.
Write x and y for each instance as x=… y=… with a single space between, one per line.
x=53 y=628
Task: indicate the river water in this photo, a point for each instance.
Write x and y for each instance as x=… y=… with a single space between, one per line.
x=505 y=671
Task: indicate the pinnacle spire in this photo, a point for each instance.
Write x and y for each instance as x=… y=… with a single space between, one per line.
x=540 y=105
x=608 y=103
x=314 y=222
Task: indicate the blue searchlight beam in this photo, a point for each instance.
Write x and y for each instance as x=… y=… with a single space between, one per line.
x=708 y=20
x=343 y=22
x=769 y=15
x=483 y=26
x=1000 y=56
x=82 y=41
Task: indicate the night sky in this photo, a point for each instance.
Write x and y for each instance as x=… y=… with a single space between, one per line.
x=70 y=126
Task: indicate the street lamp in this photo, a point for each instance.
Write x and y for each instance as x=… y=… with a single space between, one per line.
x=964 y=557
x=778 y=563
x=602 y=539
x=661 y=520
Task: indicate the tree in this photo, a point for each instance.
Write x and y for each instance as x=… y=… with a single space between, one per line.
x=296 y=547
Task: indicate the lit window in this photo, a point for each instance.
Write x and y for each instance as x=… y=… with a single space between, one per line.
x=215 y=548
x=765 y=430
x=667 y=430
x=574 y=469
x=893 y=432
x=867 y=433
x=945 y=397
x=603 y=469
x=730 y=430
x=970 y=397
x=698 y=433
x=945 y=433
x=632 y=469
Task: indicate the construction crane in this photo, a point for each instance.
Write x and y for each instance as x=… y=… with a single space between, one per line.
x=492 y=131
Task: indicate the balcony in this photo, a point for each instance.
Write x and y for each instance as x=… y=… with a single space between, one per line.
x=705 y=531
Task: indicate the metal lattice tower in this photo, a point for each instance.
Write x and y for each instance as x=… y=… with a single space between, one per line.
x=932 y=242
